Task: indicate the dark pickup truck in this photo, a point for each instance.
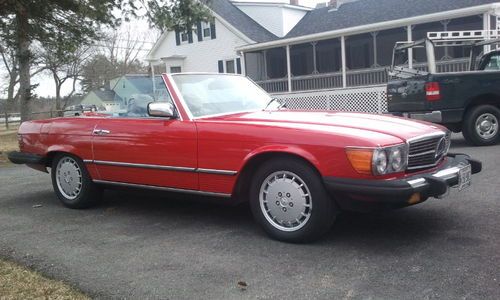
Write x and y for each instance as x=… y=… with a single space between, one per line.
x=467 y=102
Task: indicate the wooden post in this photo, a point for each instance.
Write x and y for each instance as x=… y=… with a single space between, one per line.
x=6 y=121
x=288 y=68
x=344 y=67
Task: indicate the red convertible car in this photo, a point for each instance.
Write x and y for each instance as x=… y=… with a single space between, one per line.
x=222 y=135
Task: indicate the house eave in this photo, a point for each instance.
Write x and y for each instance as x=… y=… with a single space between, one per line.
x=281 y=5
x=450 y=14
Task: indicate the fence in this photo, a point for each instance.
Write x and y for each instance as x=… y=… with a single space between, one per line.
x=361 y=77
x=10 y=118
x=372 y=99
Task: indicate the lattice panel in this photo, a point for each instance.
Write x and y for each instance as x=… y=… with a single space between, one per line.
x=363 y=99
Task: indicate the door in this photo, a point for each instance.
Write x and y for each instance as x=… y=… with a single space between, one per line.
x=146 y=151
x=131 y=147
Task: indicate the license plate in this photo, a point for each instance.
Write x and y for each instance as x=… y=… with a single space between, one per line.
x=464 y=177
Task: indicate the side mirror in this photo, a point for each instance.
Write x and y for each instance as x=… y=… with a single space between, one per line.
x=161 y=109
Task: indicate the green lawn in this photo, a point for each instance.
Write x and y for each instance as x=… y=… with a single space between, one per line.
x=8 y=142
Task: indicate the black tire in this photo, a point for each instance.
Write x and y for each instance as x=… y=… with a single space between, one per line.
x=472 y=116
x=323 y=209
x=88 y=194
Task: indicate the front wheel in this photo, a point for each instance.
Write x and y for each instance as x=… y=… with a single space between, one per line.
x=481 y=126
x=72 y=183
x=289 y=201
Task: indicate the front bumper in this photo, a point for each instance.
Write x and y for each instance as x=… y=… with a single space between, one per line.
x=362 y=195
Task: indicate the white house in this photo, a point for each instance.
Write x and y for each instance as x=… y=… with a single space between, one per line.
x=322 y=57
x=210 y=47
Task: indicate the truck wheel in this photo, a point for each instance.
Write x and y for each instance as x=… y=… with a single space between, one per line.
x=289 y=201
x=72 y=183
x=481 y=126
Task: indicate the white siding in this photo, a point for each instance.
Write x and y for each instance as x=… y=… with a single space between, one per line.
x=200 y=56
x=290 y=18
x=270 y=17
x=277 y=18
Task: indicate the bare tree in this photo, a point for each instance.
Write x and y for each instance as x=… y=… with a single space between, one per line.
x=116 y=55
x=123 y=48
x=10 y=62
x=65 y=64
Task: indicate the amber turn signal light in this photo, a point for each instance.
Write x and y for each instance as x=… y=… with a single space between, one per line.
x=361 y=159
x=414 y=199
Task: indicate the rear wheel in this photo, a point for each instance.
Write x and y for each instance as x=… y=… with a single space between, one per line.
x=481 y=125
x=289 y=201
x=72 y=183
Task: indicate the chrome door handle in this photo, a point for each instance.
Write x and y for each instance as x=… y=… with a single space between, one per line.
x=101 y=131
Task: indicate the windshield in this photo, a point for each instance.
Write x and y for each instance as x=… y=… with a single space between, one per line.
x=211 y=94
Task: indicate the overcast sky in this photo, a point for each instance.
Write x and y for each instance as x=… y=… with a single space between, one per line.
x=46 y=87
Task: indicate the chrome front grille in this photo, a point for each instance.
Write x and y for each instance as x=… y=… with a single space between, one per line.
x=426 y=152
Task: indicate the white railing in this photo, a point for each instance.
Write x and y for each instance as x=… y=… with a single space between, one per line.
x=361 y=77
x=274 y=85
x=365 y=77
x=317 y=81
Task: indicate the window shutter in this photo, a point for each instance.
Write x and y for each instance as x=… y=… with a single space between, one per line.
x=221 y=66
x=199 y=32
x=190 y=36
x=212 y=29
x=177 y=37
x=238 y=65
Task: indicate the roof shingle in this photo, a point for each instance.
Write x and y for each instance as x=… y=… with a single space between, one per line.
x=363 y=12
x=241 y=21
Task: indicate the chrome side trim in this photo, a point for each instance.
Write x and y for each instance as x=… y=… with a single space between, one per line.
x=88 y=161
x=218 y=172
x=146 y=166
x=160 y=188
x=162 y=167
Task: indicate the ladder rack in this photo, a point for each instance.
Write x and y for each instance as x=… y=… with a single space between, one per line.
x=476 y=35
x=463 y=38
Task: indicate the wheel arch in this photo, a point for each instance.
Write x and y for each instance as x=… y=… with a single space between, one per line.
x=489 y=98
x=52 y=151
x=256 y=158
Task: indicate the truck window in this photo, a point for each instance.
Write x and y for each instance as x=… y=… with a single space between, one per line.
x=493 y=63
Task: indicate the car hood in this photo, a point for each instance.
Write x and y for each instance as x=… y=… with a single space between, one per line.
x=401 y=128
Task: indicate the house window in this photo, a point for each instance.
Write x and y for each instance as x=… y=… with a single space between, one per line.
x=175 y=69
x=230 y=66
x=184 y=37
x=205 y=28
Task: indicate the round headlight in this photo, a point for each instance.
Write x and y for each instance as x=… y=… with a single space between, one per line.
x=380 y=161
x=396 y=159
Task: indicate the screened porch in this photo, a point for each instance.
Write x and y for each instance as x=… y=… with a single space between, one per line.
x=354 y=60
